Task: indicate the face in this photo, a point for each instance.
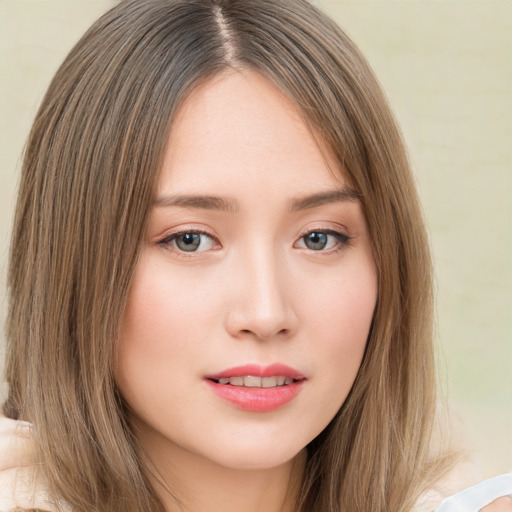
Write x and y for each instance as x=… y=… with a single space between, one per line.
x=254 y=293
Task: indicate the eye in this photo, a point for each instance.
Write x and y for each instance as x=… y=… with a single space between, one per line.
x=189 y=241
x=323 y=240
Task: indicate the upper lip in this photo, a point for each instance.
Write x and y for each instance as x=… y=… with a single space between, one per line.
x=273 y=370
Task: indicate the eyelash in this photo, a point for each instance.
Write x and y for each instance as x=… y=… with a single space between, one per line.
x=342 y=240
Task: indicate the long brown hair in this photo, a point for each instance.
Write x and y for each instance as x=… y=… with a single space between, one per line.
x=88 y=178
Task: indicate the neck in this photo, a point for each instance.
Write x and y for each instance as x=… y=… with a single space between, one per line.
x=187 y=482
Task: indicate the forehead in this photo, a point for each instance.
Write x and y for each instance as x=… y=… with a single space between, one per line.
x=238 y=132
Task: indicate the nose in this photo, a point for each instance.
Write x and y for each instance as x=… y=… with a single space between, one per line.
x=262 y=303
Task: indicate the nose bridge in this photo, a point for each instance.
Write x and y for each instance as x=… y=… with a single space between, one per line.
x=262 y=304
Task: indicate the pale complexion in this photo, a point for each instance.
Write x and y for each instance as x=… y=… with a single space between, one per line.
x=257 y=252
x=500 y=505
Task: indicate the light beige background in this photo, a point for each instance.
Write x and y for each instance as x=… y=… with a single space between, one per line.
x=447 y=68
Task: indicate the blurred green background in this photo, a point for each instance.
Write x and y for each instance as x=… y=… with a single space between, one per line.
x=446 y=66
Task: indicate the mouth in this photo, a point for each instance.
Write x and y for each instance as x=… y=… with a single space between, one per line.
x=255 y=388
x=252 y=381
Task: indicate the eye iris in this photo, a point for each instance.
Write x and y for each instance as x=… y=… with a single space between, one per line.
x=188 y=242
x=315 y=241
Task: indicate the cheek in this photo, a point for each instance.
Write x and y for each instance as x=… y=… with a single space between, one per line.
x=165 y=325
x=166 y=307
x=341 y=314
x=342 y=307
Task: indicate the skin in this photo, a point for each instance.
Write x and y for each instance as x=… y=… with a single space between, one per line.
x=499 y=505
x=254 y=292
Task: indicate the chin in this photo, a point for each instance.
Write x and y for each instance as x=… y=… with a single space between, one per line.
x=254 y=456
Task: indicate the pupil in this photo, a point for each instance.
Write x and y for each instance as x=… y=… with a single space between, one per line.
x=316 y=241
x=189 y=242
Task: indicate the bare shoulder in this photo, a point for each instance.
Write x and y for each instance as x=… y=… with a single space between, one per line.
x=499 y=505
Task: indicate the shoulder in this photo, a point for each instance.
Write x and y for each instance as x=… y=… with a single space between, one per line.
x=20 y=484
x=461 y=490
x=492 y=495
x=464 y=474
x=499 y=505
x=14 y=443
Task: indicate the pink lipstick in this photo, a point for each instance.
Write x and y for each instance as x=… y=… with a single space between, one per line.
x=257 y=388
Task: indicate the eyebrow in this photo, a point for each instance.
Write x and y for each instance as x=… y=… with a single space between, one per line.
x=321 y=198
x=198 y=201
x=205 y=202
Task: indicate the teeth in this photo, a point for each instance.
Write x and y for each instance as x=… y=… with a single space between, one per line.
x=236 y=381
x=269 y=382
x=250 y=381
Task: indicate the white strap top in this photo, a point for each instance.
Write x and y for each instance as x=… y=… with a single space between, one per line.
x=478 y=496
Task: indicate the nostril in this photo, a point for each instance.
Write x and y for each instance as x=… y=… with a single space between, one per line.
x=264 y=336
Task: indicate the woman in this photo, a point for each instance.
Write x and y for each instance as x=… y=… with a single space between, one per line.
x=220 y=291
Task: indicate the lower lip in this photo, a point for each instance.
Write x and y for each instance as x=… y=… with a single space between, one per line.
x=256 y=399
